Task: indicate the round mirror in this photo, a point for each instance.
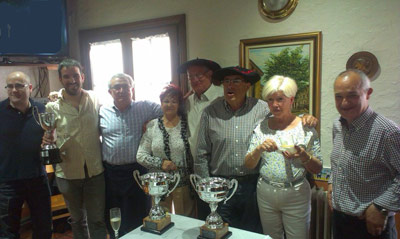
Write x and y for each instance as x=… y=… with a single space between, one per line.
x=276 y=9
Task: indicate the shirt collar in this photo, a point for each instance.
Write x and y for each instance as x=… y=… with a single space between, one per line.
x=117 y=110
x=208 y=94
x=10 y=106
x=61 y=94
x=360 y=121
x=229 y=109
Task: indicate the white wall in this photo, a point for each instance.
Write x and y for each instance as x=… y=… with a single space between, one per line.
x=32 y=72
x=215 y=27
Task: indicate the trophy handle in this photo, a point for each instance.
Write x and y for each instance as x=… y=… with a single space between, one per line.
x=193 y=180
x=177 y=178
x=35 y=108
x=136 y=175
x=235 y=182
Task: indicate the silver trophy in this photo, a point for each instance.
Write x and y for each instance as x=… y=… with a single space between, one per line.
x=213 y=190
x=49 y=154
x=156 y=184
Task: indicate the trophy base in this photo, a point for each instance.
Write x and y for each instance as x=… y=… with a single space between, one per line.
x=50 y=156
x=221 y=233
x=157 y=226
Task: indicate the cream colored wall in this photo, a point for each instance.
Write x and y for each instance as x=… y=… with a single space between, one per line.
x=214 y=28
x=5 y=70
x=32 y=72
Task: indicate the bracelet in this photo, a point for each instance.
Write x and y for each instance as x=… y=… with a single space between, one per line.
x=308 y=160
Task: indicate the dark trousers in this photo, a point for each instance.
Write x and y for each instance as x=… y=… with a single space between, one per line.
x=203 y=208
x=122 y=191
x=36 y=193
x=349 y=227
x=241 y=211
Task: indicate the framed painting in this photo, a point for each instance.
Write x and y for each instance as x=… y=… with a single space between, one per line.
x=297 y=56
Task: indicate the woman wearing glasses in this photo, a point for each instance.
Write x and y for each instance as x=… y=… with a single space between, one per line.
x=284 y=150
x=165 y=147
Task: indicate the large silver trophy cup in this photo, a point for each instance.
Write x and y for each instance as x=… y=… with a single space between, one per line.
x=213 y=190
x=156 y=184
x=49 y=154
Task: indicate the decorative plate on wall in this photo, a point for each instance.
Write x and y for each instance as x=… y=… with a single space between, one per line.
x=364 y=61
x=276 y=9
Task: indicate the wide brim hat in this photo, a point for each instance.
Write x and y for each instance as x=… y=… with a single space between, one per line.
x=212 y=65
x=250 y=76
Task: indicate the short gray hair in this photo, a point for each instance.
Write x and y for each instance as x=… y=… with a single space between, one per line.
x=121 y=76
x=365 y=81
x=280 y=83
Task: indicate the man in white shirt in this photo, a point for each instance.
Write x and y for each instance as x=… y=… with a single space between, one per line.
x=80 y=176
x=199 y=73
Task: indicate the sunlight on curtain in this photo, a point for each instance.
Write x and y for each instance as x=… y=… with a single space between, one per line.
x=105 y=61
x=151 y=66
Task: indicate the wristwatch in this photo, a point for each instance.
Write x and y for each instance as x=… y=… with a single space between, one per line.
x=383 y=210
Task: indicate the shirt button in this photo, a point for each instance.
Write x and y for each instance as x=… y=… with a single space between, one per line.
x=237 y=141
x=236 y=155
x=236 y=126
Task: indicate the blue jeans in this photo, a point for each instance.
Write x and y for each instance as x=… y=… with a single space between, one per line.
x=122 y=191
x=241 y=211
x=350 y=227
x=85 y=198
x=36 y=193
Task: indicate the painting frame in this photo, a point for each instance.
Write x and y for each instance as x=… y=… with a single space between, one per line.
x=267 y=45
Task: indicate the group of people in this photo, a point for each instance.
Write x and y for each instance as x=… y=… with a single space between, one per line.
x=213 y=131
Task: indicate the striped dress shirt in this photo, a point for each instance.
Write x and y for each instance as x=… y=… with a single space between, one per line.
x=365 y=164
x=224 y=137
x=121 y=131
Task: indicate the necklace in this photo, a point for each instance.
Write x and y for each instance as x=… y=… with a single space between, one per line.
x=167 y=150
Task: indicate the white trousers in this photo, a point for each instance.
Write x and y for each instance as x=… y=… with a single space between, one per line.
x=285 y=210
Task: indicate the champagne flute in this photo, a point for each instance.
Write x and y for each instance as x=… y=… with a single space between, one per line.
x=115 y=220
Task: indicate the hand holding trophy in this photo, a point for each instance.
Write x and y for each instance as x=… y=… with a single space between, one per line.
x=50 y=154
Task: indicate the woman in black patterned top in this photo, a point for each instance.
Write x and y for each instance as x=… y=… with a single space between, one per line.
x=164 y=147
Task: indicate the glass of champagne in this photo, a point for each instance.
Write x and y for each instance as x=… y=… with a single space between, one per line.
x=115 y=220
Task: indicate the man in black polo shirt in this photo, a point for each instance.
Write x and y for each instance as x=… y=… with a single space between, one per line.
x=22 y=175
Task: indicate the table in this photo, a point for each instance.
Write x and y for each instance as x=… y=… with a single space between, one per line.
x=188 y=228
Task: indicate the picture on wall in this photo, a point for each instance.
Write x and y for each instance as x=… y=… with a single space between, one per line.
x=297 y=56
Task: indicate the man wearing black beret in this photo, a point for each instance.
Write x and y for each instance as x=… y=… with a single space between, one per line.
x=224 y=135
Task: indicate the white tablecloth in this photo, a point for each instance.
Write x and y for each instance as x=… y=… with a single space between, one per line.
x=188 y=228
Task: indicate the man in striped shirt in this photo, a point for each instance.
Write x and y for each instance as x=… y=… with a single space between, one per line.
x=121 y=126
x=224 y=136
x=364 y=189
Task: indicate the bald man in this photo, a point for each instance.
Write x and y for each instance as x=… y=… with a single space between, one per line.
x=22 y=175
x=364 y=189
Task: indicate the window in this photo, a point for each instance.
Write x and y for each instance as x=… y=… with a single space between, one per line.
x=105 y=61
x=152 y=66
x=150 y=51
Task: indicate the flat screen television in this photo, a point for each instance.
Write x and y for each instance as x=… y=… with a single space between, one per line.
x=33 y=28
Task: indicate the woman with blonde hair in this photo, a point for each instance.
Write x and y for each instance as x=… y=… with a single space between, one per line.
x=284 y=150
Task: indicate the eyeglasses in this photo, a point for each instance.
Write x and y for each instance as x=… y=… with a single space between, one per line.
x=236 y=81
x=16 y=86
x=197 y=76
x=120 y=86
x=172 y=102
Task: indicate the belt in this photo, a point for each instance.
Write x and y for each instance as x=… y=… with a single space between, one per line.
x=284 y=185
x=240 y=179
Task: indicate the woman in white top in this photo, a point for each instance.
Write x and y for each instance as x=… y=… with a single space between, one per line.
x=284 y=150
x=165 y=147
